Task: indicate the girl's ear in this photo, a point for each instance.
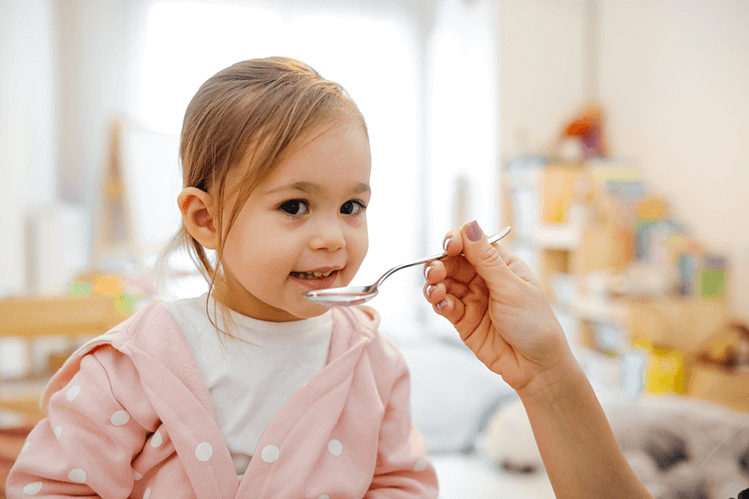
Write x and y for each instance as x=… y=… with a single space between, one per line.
x=198 y=214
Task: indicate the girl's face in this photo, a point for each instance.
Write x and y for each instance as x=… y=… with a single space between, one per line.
x=302 y=228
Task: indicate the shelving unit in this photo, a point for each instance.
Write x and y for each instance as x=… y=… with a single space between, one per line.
x=577 y=238
x=545 y=231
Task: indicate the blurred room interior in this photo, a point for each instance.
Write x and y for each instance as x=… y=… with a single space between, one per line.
x=611 y=135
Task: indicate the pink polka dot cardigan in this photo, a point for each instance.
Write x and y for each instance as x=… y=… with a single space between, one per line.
x=128 y=416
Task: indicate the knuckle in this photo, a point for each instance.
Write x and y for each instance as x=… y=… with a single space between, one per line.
x=489 y=255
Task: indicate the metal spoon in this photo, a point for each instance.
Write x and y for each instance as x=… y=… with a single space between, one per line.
x=356 y=295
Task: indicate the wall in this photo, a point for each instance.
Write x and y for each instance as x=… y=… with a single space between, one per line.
x=542 y=71
x=674 y=80
x=92 y=68
x=28 y=138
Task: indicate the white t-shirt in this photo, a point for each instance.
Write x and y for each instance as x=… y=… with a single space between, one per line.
x=250 y=380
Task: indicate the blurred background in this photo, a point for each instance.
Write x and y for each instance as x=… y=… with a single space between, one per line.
x=611 y=135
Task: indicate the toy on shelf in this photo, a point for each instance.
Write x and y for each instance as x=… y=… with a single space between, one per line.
x=586 y=129
x=728 y=348
x=129 y=291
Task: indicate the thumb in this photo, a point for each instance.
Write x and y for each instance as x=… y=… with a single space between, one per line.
x=482 y=255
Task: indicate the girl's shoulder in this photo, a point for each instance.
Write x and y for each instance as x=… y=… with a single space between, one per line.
x=152 y=330
x=155 y=315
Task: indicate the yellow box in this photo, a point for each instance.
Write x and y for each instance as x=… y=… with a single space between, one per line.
x=665 y=372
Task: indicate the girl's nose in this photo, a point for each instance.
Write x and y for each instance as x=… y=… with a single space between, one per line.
x=329 y=237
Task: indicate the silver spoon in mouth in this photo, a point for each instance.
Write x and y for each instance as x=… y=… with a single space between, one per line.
x=356 y=295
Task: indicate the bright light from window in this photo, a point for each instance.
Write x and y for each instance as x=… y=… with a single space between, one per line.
x=186 y=43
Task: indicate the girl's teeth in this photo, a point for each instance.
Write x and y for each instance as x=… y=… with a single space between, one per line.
x=312 y=275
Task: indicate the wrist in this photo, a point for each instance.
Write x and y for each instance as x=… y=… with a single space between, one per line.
x=555 y=387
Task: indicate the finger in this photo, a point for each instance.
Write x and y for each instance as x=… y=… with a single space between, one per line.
x=457 y=288
x=514 y=263
x=454 y=268
x=452 y=242
x=434 y=293
x=450 y=308
x=434 y=271
x=458 y=268
x=484 y=257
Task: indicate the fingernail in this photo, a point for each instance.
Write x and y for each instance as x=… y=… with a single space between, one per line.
x=442 y=304
x=426 y=271
x=473 y=231
x=446 y=243
x=429 y=290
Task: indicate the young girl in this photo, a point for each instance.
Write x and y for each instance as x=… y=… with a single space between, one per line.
x=250 y=391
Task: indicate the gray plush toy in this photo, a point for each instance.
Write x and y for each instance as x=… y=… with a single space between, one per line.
x=680 y=448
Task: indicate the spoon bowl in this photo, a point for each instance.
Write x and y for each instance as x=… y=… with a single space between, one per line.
x=356 y=295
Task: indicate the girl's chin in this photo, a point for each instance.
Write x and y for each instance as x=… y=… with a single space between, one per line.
x=309 y=309
x=294 y=309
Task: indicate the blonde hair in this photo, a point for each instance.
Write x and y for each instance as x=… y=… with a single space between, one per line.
x=250 y=115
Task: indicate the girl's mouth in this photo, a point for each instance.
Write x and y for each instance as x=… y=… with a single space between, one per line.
x=312 y=275
x=316 y=279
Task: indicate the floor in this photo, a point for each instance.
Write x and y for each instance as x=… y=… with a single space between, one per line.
x=473 y=477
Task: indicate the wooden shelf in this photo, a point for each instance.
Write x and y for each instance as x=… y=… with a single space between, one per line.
x=31 y=318
x=58 y=316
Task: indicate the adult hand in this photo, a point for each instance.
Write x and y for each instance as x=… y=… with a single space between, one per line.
x=497 y=306
x=500 y=310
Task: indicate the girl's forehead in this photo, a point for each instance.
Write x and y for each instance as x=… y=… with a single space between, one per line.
x=340 y=142
x=336 y=150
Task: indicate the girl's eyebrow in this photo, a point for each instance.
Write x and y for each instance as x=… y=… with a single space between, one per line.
x=312 y=188
x=362 y=188
x=307 y=187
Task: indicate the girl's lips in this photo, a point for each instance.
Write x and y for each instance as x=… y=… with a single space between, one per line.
x=316 y=282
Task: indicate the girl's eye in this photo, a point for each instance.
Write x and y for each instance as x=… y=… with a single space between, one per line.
x=352 y=207
x=295 y=207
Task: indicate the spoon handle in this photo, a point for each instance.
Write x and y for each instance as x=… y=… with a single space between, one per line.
x=491 y=239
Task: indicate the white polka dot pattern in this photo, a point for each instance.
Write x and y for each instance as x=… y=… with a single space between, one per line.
x=77 y=475
x=147 y=493
x=58 y=432
x=156 y=439
x=335 y=447
x=203 y=451
x=136 y=476
x=72 y=392
x=32 y=489
x=270 y=453
x=120 y=418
